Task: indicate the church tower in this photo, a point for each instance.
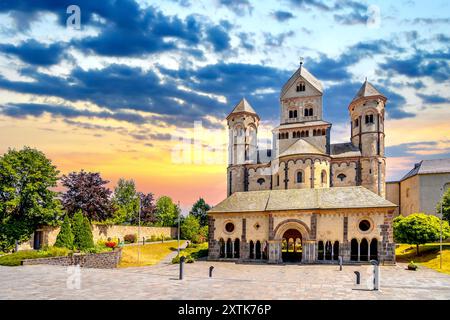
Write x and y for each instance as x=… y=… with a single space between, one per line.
x=243 y=124
x=367 y=133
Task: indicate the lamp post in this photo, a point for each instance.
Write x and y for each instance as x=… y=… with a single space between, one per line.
x=440 y=241
x=139 y=229
x=178 y=229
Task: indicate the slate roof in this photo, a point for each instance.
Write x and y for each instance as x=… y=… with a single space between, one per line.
x=343 y=150
x=306 y=75
x=367 y=90
x=300 y=146
x=302 y=199
x=243 y=106
x=429 y=166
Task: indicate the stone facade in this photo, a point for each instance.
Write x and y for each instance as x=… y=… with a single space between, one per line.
x=302 y=158
x=421 y=189
x=105 y=260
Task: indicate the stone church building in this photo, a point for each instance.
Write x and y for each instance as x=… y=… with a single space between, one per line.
x=305 y=200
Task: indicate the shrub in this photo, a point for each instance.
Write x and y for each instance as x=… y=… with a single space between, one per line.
x=167 y=238
x=15 y=259
x=188 y=259
x=83 y=239
x=65 y=236
x=130 y=238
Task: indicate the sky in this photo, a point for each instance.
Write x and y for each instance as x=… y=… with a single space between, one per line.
x=140 y=89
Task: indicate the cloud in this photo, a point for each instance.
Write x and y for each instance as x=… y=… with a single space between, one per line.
x=276 y=40
x=219 y=38
x=239 y=7
x=282 y=16
x=246 y=41
x=430 y=149
x=433 y=98
x=36 y=53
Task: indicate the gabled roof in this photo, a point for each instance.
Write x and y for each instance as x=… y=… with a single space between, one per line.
x=306 y=75
x=302 y=199
x=300 y=146
x=367 y=90
x=429 y=166
x=243 y=107
x=343 y=150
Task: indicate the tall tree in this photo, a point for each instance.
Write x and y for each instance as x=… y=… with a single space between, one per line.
x=166 y=211
x=65 y=236
x=419 y=228
x=148 y=209
x=126 y=201
x=26 y=198
x=86 y=191
x=190 y=229
x=445 y=205
x=82 y=232
x=199 y=210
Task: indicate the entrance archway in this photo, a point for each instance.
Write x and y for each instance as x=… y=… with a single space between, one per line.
x=292 y=252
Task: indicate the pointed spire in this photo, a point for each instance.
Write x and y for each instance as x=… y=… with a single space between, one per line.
x=367 y=90
x=243 y=107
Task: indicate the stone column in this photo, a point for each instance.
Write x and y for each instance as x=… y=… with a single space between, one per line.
x=213 y=245
x=244 y=246
x=344 y=248
x=309 y=251
x=387 y=250
x=275 y=251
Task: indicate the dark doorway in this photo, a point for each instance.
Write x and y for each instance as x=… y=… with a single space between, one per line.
x=320 y=251
x=229 y=248
x=354 y=250
x=328 y=250
x=336 y=250
x=236 y=248
x=374 y=249
x=292 y=252
x=37 y=243
x=258 y=249
x=222 y=248
x=364 y=250
x=252 y=250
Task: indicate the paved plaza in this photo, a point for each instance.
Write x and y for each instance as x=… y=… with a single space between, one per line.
x=230 y=281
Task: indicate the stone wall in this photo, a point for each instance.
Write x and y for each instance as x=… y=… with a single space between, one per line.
x=105 y=260
x=101 y=232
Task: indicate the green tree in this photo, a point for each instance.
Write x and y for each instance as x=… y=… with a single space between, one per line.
x=445 y=205
x=82 y=232
x=65 y=236
x=166 y=212
x=199 y=210
x=126 y=201
x=190 y=228
x=419 y=228
x=26 y=198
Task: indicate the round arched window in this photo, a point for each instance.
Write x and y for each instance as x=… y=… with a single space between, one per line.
x=364 y=225
x=229 y=227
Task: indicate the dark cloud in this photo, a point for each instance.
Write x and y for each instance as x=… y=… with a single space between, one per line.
x=36 y=53
x=282 y=16
x=429 y=21
x=433 y=98
x=308 y=4
x=247 y=41
x=421 y=64
x=219 y=38
x=276 y=40
x=239 y=7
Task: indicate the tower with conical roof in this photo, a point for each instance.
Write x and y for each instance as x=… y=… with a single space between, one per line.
x=243 y=124
x=367 y=111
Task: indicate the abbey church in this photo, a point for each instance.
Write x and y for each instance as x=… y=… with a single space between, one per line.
x=305 y=200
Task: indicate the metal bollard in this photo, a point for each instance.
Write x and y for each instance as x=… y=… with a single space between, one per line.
x=340 y=263
x=210 y=271
x=376 y=274
x=16 y=246
x=181 y=267
x=358 y=277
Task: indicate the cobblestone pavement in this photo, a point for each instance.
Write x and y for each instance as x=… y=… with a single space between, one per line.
x=230 y=281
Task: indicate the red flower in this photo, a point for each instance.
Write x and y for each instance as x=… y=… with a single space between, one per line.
x=111 y=244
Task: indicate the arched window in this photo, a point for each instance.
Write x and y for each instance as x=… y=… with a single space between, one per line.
x=295 y=113
x=320 y=251
x=236 y=248
x=222 y=248
x=341 y=176
x=314 y=132
x=294 y=134
x=260 y=181
x=229 y=248
x=301 y=86
x=374 y=249
x=300 y=176
x=354 y=248
x=291 y=114
x=356 y=123
x=364 y=250
x=306 y=112
x=336 y=250
x=311 y=113
x=369 y=118
x=252 y=250
x=307 y=133
x=258 y=250
x=323 y=132
x=302 y=134
x=323 y=176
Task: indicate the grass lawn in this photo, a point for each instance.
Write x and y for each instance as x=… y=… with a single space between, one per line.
x=429 y=255
x=194 y=251
x=150 y=254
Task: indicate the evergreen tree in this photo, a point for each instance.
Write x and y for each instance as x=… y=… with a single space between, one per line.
x=199 y=210
x=82 y=232
x=445 y=205
x=65 y=236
